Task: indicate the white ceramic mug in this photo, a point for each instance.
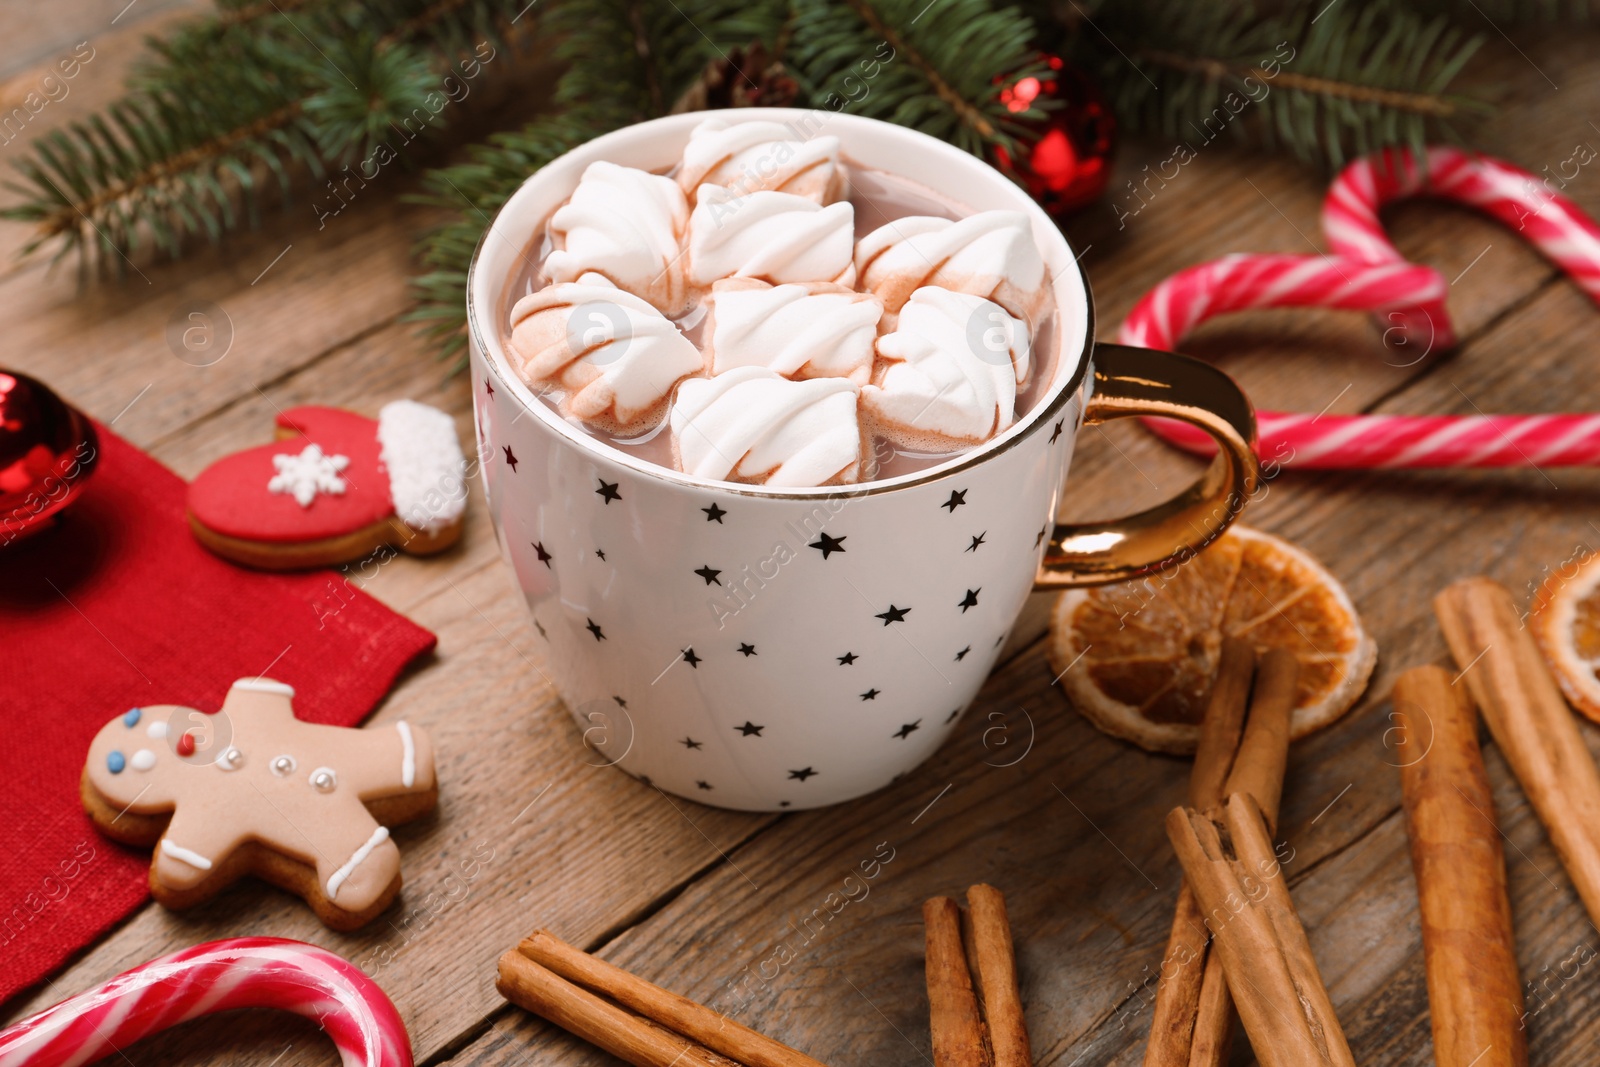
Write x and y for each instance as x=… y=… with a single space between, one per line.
x=768 y=649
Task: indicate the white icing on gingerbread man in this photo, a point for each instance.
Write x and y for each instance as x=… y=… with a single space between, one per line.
x=255 y=773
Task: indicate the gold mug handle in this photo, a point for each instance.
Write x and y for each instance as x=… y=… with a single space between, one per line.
x=1142 y=381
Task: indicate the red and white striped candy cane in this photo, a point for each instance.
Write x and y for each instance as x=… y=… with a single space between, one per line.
x=1557 y=227
x=1413 y=309
x=237 y=972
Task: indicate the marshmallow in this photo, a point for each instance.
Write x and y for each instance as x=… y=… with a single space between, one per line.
x=948 y=374
x=820 y=330
x=776 y=237
x=624 y=225
x=749 y=157
x=615 y=355
x=754 y=425
x=990 y=254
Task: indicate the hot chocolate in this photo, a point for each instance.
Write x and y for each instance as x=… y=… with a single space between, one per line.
x=768 y=312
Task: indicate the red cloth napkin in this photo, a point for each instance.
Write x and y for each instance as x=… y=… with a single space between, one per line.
x=116 y=607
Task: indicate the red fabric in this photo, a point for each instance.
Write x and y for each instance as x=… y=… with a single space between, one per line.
x=231 y=496
x=118 y=606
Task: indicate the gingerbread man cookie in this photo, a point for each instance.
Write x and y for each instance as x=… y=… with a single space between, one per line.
x=333 y=487
x=254 y=790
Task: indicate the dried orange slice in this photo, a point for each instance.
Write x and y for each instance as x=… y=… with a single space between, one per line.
x=1566 y=623
x=1137 y=658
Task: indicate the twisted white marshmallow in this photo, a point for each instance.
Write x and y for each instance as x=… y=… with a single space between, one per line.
x=776 y=237
x=748 y=157
x=990 y=254
x=615 y=355
x=949 y=372
x=754 y=425
x=820 y=330
x=624 y=225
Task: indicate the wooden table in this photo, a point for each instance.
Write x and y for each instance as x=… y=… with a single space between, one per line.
x=698 y=899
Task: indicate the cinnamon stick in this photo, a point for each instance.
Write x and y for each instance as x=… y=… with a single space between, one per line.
x=1264 y=752
x=958 y=1032
x=1257 y=771
x=1178 y=986
x=1530 y=721
x=995 y=968
x=1271 y=973
x=623 y=1034
x=1474 y=990
x=709 y=1028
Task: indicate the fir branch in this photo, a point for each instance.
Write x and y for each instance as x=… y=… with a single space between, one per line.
x=1216 y=70
x=940 y=68
x=228 y=102
x=1324 y=81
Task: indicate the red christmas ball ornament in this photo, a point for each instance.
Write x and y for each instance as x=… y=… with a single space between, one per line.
x=1066 y=164
x=48 y=449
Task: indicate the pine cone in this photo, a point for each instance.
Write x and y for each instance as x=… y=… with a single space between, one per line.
x=745 y=77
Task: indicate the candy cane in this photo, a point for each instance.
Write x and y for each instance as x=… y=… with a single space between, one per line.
x=237 y=972
x=1557 y=227
x=1411 y=304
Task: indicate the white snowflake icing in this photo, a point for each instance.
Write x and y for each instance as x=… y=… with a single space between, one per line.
x=306 y=475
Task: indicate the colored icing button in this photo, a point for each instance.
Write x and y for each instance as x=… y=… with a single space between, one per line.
x=143 y=760
x=157 y=730
x=132 y=717
x=186 y=744
x=115 y=762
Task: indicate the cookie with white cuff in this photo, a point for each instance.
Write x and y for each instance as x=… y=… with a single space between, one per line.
x=334 y=487
x=252 y=790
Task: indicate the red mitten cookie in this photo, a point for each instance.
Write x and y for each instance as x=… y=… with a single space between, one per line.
x=334 y=487
x=254 y=790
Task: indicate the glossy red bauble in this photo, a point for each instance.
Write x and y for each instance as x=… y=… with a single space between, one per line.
x=1064 y=160
x=48 y=449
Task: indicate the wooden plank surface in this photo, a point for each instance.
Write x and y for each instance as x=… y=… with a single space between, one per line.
x=705 y=901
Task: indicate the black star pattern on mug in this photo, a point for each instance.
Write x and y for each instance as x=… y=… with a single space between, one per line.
x=747 y=648
x=594 y=628
x=847 y=659
x=714 y=513
x=537 y=625
x=802 y=774
x=511 y=458
x=1055 y=435
x=952 y=717
x=691 y=659
x=489 y=386
x=906 y=730
x=784 y=803
x=1042 y=531
x=709 y=573
x=963 y=653
x=957 y=499
x=609 y=491
x=999 y=640
x=620 y=702
x=702 y=783
x=544 y=557
x=970 y=600
x=894 y=614
x=601 y=553
x=977 y=540
x=870 y=694
x=749 y=729
x=827 y=545
x=689 y=742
